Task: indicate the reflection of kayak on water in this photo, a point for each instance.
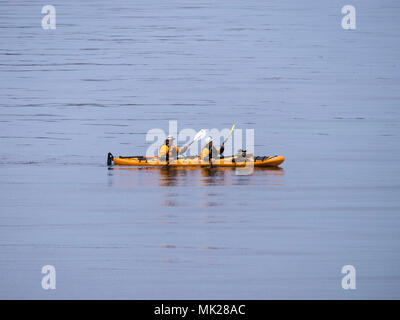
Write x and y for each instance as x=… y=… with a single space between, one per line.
x=192 y=176
x=232 y=161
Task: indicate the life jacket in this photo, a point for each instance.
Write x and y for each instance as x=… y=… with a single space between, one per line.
x=205 y=153
x=172 y=151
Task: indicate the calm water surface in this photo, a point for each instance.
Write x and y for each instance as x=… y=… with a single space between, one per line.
x=325 y=98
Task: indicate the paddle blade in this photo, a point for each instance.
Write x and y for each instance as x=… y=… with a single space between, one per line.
x=200 y=135
x=233 y=128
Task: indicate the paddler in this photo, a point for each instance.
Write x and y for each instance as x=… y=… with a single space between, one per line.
x=209 y=152
x=168 y=150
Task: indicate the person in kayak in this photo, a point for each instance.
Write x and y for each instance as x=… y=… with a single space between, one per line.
x=169 y=150
x=210 y=152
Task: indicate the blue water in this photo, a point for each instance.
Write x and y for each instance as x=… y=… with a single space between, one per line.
x=325 y=98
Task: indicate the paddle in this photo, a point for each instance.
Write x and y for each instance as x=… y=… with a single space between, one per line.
x=199 y=135
x=223 y=143
x=227 y=137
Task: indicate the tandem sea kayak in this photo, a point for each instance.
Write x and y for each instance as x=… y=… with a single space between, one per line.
x=232 y=161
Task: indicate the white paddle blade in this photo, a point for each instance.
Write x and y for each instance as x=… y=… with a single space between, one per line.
x=200 y=135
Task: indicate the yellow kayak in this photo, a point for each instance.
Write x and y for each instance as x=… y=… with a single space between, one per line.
x=233 y=161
